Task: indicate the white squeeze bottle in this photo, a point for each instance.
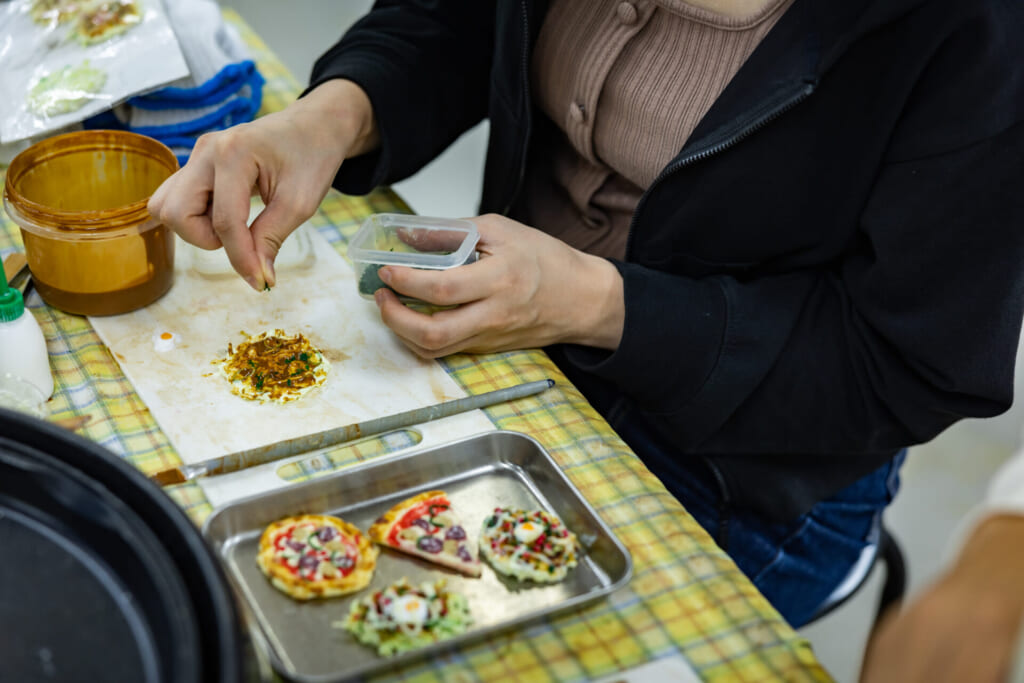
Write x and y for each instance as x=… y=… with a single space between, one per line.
x=22 y=345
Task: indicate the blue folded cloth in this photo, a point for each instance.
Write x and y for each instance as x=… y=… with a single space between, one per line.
x=224 y=87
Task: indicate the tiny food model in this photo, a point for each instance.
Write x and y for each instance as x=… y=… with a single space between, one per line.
x=274 y=366
x=100 y=21
x=528 y=545
x=316 y=556
x=164 y=341
x=402 y=617
x=426 y=526
x=66 y=90
x=53 y=11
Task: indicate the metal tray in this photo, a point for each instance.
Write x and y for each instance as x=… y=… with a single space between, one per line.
x=480 y=472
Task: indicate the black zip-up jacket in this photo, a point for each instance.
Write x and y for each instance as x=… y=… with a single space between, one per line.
x=831 y=269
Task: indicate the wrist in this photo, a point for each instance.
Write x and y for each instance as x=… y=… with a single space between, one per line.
x=600 y=306
x=342 y=113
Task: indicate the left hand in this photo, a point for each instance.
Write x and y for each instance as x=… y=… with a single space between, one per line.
x=965 y=627
x=527 y=290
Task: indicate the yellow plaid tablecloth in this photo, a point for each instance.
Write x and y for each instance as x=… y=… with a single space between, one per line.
x=686 y=597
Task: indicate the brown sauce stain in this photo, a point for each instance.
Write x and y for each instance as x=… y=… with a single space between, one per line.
x=336 y=356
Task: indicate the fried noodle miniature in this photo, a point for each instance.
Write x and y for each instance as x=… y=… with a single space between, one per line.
x=274 y=366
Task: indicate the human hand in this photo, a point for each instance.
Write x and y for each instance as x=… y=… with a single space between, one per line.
x=528 y=289
x=965 y=627
x=289 y=157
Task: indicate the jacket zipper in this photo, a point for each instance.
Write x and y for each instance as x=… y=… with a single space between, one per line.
x=524 y=79
x=700 y=155
x=721 y=534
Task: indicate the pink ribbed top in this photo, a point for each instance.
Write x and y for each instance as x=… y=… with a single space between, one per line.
x=625 y=84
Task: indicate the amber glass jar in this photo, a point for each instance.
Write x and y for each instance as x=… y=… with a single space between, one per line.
x=80 y=200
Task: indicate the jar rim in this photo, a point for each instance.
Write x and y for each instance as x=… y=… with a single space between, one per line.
x=46 y=220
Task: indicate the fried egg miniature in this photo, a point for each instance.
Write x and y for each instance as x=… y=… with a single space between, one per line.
x=408 y=610
x=164 y=341
x=528 y=545
x=527 y=532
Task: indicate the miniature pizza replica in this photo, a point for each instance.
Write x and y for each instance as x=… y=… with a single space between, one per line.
x=274 y=366
x=316 y=556
x=402 y=617
x=528 y=545
x=426 y=526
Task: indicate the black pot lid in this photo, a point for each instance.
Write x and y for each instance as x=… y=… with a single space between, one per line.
x=103 y=577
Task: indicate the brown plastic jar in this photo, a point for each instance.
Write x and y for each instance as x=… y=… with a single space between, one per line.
x=80 y=200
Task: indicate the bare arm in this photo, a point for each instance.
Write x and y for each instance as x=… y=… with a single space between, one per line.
x=965 y=627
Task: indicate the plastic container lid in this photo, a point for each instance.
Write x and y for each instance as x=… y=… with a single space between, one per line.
x=394 y=239
x=415 y=241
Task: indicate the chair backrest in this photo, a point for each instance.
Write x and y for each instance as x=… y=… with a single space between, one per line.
x=885 y=548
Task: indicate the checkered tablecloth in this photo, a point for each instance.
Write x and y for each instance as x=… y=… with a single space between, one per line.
x=686 y=597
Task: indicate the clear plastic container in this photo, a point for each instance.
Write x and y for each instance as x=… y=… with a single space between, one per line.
x=415 y=241
x=296 y=252
x=80 y=201
x=19 y=394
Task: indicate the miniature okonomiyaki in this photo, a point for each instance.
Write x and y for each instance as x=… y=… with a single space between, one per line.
x=402 y=617
x=427 y=526
x=316 y=556
x=274 y=366
x=528 y=545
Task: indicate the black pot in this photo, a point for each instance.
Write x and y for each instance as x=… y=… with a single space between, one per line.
x=102 y=576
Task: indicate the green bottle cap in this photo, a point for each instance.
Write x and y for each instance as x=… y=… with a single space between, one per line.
x=11 y=303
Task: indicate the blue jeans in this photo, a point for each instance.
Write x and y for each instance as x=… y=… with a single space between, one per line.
x=796 y=564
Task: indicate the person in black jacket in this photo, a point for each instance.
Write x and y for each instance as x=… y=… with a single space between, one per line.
x=827 y=272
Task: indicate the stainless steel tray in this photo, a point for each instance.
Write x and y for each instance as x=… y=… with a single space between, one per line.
x=479 y=473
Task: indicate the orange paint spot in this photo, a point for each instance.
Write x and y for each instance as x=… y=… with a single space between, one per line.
x=166 y=335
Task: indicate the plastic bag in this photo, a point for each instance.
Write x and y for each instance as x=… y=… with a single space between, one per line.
x=65 y=60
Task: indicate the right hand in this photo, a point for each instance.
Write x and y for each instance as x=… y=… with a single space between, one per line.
x=289 y=157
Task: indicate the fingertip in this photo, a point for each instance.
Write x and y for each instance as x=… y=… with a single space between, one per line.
x=383 y=296
x=268 y=271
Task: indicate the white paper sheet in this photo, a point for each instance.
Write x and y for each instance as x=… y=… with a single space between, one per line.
x=372 y=374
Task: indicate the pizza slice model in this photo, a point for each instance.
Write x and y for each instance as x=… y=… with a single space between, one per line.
x=316 y=556
x=528 y=544
x=403 y=617
x=426 y=526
